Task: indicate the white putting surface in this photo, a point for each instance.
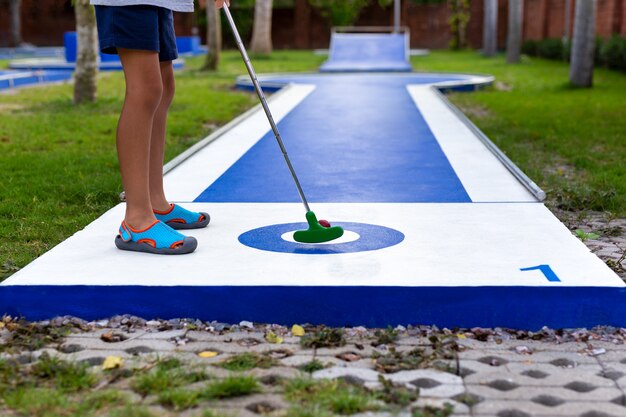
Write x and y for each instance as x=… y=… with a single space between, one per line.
x=445 y=245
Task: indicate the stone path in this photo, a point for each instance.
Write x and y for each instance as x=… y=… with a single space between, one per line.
x=474 y=372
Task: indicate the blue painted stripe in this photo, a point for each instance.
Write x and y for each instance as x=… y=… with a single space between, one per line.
x=353 y=139
x=515 y=307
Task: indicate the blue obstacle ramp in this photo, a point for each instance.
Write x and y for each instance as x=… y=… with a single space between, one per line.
x=368 y=52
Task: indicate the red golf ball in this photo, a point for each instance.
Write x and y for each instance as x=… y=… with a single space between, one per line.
x=324 y=223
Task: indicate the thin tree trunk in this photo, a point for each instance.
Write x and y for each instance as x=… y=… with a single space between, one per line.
x=213 y=36
x=583 y=46
x=15 y=9
x=87 y=53
x=567 y=21
x=490 y=28
x=262 y=28
x=514 y=35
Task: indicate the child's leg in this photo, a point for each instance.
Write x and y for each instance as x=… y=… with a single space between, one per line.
x=157 y=144
x=144 y=90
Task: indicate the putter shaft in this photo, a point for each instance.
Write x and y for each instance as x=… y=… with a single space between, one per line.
x=266 y=108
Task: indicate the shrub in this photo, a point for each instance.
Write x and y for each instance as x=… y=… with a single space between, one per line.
x=613 y=53
x=529 y=47
x=551 y=48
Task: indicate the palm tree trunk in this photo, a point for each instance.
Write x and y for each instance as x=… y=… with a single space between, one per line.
x=490 y=28
x=262 y=28
x=15 y=9
x=87 y=53
x=213 y=36
x=581 y=68
x=514 y=36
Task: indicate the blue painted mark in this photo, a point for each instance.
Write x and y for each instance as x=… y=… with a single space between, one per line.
x=372 y=237
x=545 y=270
x=353 y=139
x=375 y=306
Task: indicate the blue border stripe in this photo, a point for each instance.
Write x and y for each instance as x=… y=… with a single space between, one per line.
x=515 y=307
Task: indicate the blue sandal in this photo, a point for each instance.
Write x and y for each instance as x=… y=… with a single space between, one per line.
x=158 y=238
x=179 y=218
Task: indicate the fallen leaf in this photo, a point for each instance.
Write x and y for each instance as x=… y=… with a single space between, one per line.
x=111 y=337
x=349 y=356
x=112 y=362
x=297 y=330
x=208 y=354
x=461 y=336
x=273 y=338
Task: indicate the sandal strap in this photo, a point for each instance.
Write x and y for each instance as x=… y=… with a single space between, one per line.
x=158 y=235
x=178 y=214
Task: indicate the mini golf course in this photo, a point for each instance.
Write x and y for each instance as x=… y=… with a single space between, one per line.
x=441 y=228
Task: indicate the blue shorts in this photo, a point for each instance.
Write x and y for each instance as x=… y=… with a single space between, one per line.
x=143 y=27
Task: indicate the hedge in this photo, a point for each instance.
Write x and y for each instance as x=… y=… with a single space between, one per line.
x=609 y=53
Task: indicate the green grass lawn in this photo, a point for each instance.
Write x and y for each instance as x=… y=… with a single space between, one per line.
x=59 y=165
x=571 y=141
x=60 y=170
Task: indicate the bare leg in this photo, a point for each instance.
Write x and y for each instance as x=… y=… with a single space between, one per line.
x=157 y=144
x=144 y=90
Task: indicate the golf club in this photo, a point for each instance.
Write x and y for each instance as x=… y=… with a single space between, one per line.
x=316 y=233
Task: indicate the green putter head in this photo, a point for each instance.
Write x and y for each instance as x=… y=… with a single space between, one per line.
x=316 y=233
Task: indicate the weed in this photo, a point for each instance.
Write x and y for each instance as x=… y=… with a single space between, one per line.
x=66 y=376
x=430 y=411
x=30 y=336
x=246 y=361
x=179 y=399
x=36 y=402
x=166 y=375
x=582 y=235
x=418 y=358
x=312 y=366
x=100 y=399
x=131 y=410
x=326 y=337
x=233 y=386
x=385 y=337
x=328 y=396
x=211 y=413
x=397 y=395
x=10 y=375
x=313 y=410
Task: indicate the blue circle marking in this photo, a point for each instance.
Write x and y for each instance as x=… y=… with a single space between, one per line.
x=371 y=237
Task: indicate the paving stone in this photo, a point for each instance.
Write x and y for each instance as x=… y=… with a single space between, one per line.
x=458 y=408
x=552 y=357
x=412 y=375
x=615 y=353
x=164 y=335
x=98 y=344
x=97 y=333
x=518 y=374
x=367 y=375
x=534 y=345
x=529 y=393
x=299 y=360
x=382 y=414
x=568 y=409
